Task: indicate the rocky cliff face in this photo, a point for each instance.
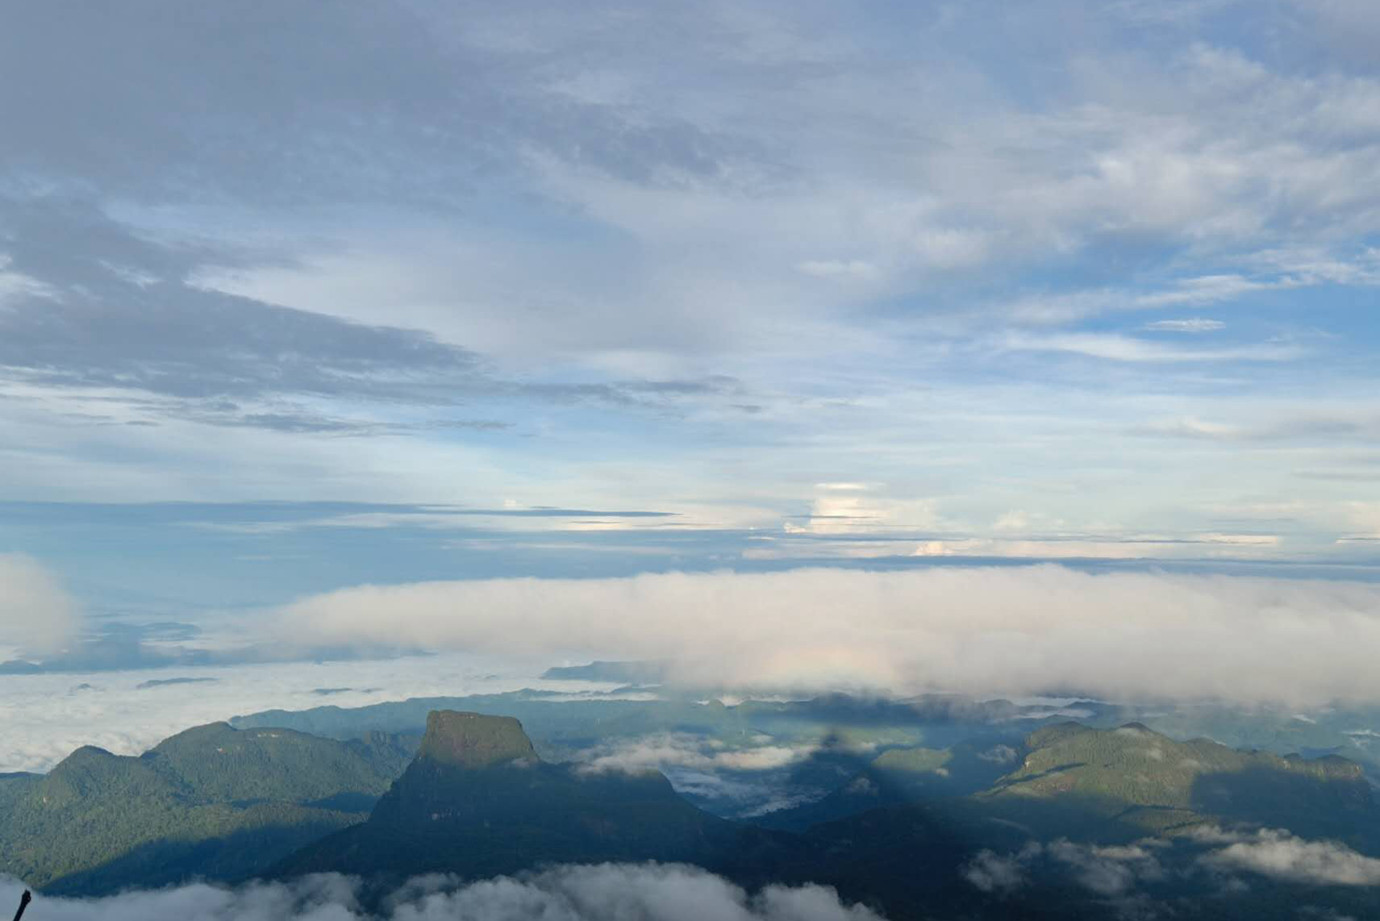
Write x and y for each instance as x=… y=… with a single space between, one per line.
x=473 y=740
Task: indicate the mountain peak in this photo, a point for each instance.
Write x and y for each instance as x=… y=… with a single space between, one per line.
x=473 y=740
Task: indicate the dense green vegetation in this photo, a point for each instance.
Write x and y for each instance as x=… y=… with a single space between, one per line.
x=1149 y=782
x=211 y=801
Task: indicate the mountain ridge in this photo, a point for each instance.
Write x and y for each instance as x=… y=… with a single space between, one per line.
x=210 y=801
x=499 y=809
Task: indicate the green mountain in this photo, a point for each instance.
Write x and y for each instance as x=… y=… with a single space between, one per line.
x=210 y=802
x=477 y=801
x=1107 y=784
x=1080 y=781
x=1090 y=793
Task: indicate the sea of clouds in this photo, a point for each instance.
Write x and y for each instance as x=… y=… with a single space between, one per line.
x=46 y=716
x=1118 y=875
x=646 y=892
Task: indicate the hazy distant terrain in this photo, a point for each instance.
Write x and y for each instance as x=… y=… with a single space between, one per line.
x=995 y=806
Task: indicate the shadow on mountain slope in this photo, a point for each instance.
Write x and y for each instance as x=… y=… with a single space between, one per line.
x=477 y=802
x=241 y=854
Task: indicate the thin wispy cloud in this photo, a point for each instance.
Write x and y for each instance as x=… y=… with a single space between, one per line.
x=1188 y=325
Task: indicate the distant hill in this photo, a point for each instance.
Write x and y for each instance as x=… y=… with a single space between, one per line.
x=1106 y=787
x=1147 y=782
x=560 y=728
x=210 y=802
x=640 y=673
x=477 y=801
x=1102 y=785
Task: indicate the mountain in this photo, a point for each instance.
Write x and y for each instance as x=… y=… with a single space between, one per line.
x=1080 y=781
x=896 y=776
x=210 y=802
x=473 y=741
x=472 y=796
x=1073 y=780
x=560 y=727
x=631 y=673
x=1116 y=801
x=477 y=801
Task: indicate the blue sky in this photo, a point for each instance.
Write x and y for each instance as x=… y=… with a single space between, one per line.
x=294 y=297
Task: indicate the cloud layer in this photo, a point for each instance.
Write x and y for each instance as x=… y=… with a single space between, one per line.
x=981 y=631
x=1207 y=859
x=1277 y=853
x=36 y=613
x=649 y=892
x=47 y=716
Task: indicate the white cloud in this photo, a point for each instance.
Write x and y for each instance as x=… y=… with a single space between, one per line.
x=17 y=286
x=1109 y=871
x=982 y=631
x=999 y=754
x=1277 y=853
x=649 y=892
x=47 y=716
x=664 y=751
x=36 y=614
x=1189 y=325
x=953 y=249
x=1130 y=349
x=1205 y=289
x=991 y=872
x=742 y=782
x=854 y=269
x=855 y=508
x=880 y=175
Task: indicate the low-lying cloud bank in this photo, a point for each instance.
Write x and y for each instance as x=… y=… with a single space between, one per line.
x=981 y=631
x=1124 y=870
x=1107 y=871
x=46 y=716
x=649 y=892
x=741 y=782
x=36 y=614
x=666 y=750
x=1277 y=853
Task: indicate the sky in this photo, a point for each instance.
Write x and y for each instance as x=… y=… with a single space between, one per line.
x=297 y=298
